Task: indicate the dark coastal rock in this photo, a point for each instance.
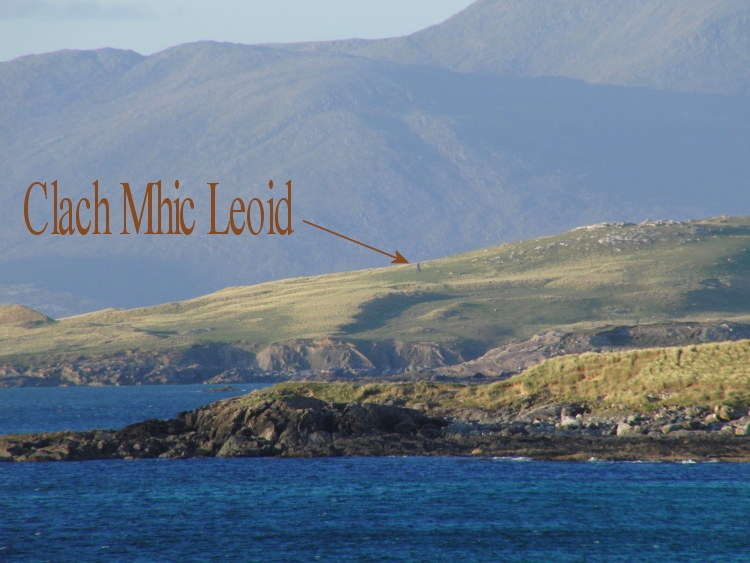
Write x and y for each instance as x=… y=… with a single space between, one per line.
x=545 y=412
x=296 y=426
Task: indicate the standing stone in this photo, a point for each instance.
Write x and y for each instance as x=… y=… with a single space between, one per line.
x=624 y=429
x=667 y=428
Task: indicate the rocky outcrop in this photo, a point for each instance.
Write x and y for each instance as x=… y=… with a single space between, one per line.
x=323 y=354
x=323 y=359
x=196 y=364
x=357 y=358
x=297 y=426
x=511 y=358
x=290 y=426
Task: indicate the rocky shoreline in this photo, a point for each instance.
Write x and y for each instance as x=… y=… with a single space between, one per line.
x=332 y=359
x=297 y=426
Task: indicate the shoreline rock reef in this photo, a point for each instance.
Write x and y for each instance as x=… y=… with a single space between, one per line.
x=280 y=424
x=679 y=403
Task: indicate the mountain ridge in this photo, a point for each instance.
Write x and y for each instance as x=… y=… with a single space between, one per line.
x=693 y=45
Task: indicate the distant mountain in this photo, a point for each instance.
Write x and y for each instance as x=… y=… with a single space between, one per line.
x=685 y=45
x=409 y=154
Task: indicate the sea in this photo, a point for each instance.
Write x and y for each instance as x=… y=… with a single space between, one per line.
x=427 y=509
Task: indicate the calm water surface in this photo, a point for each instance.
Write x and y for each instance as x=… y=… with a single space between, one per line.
x=49 y=409
x=365 y=509
x=388 y=509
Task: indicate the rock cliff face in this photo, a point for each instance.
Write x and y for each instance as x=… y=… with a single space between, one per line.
x=296 y=426
x=196 y=364
x=331 y=354
x=227 y=363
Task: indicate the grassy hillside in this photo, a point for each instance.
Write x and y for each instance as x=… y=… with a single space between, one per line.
x=639 y=380
x=590 y=277
x=709 y=374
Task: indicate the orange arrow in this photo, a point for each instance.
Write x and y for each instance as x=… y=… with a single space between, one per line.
x=397 y=259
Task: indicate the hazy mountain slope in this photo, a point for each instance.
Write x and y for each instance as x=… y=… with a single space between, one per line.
x=419 y=159
x=60 y=78
x=687 y=45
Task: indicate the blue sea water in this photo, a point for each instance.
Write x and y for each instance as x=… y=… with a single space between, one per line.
x=50 y=409
x=372 y=509
x=381 y=509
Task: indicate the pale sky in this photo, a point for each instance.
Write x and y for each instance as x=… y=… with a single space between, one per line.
x=40 y=26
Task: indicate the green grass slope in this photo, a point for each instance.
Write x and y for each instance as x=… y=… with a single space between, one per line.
x=709 y=374
x=590 y=277
x=638 y=380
